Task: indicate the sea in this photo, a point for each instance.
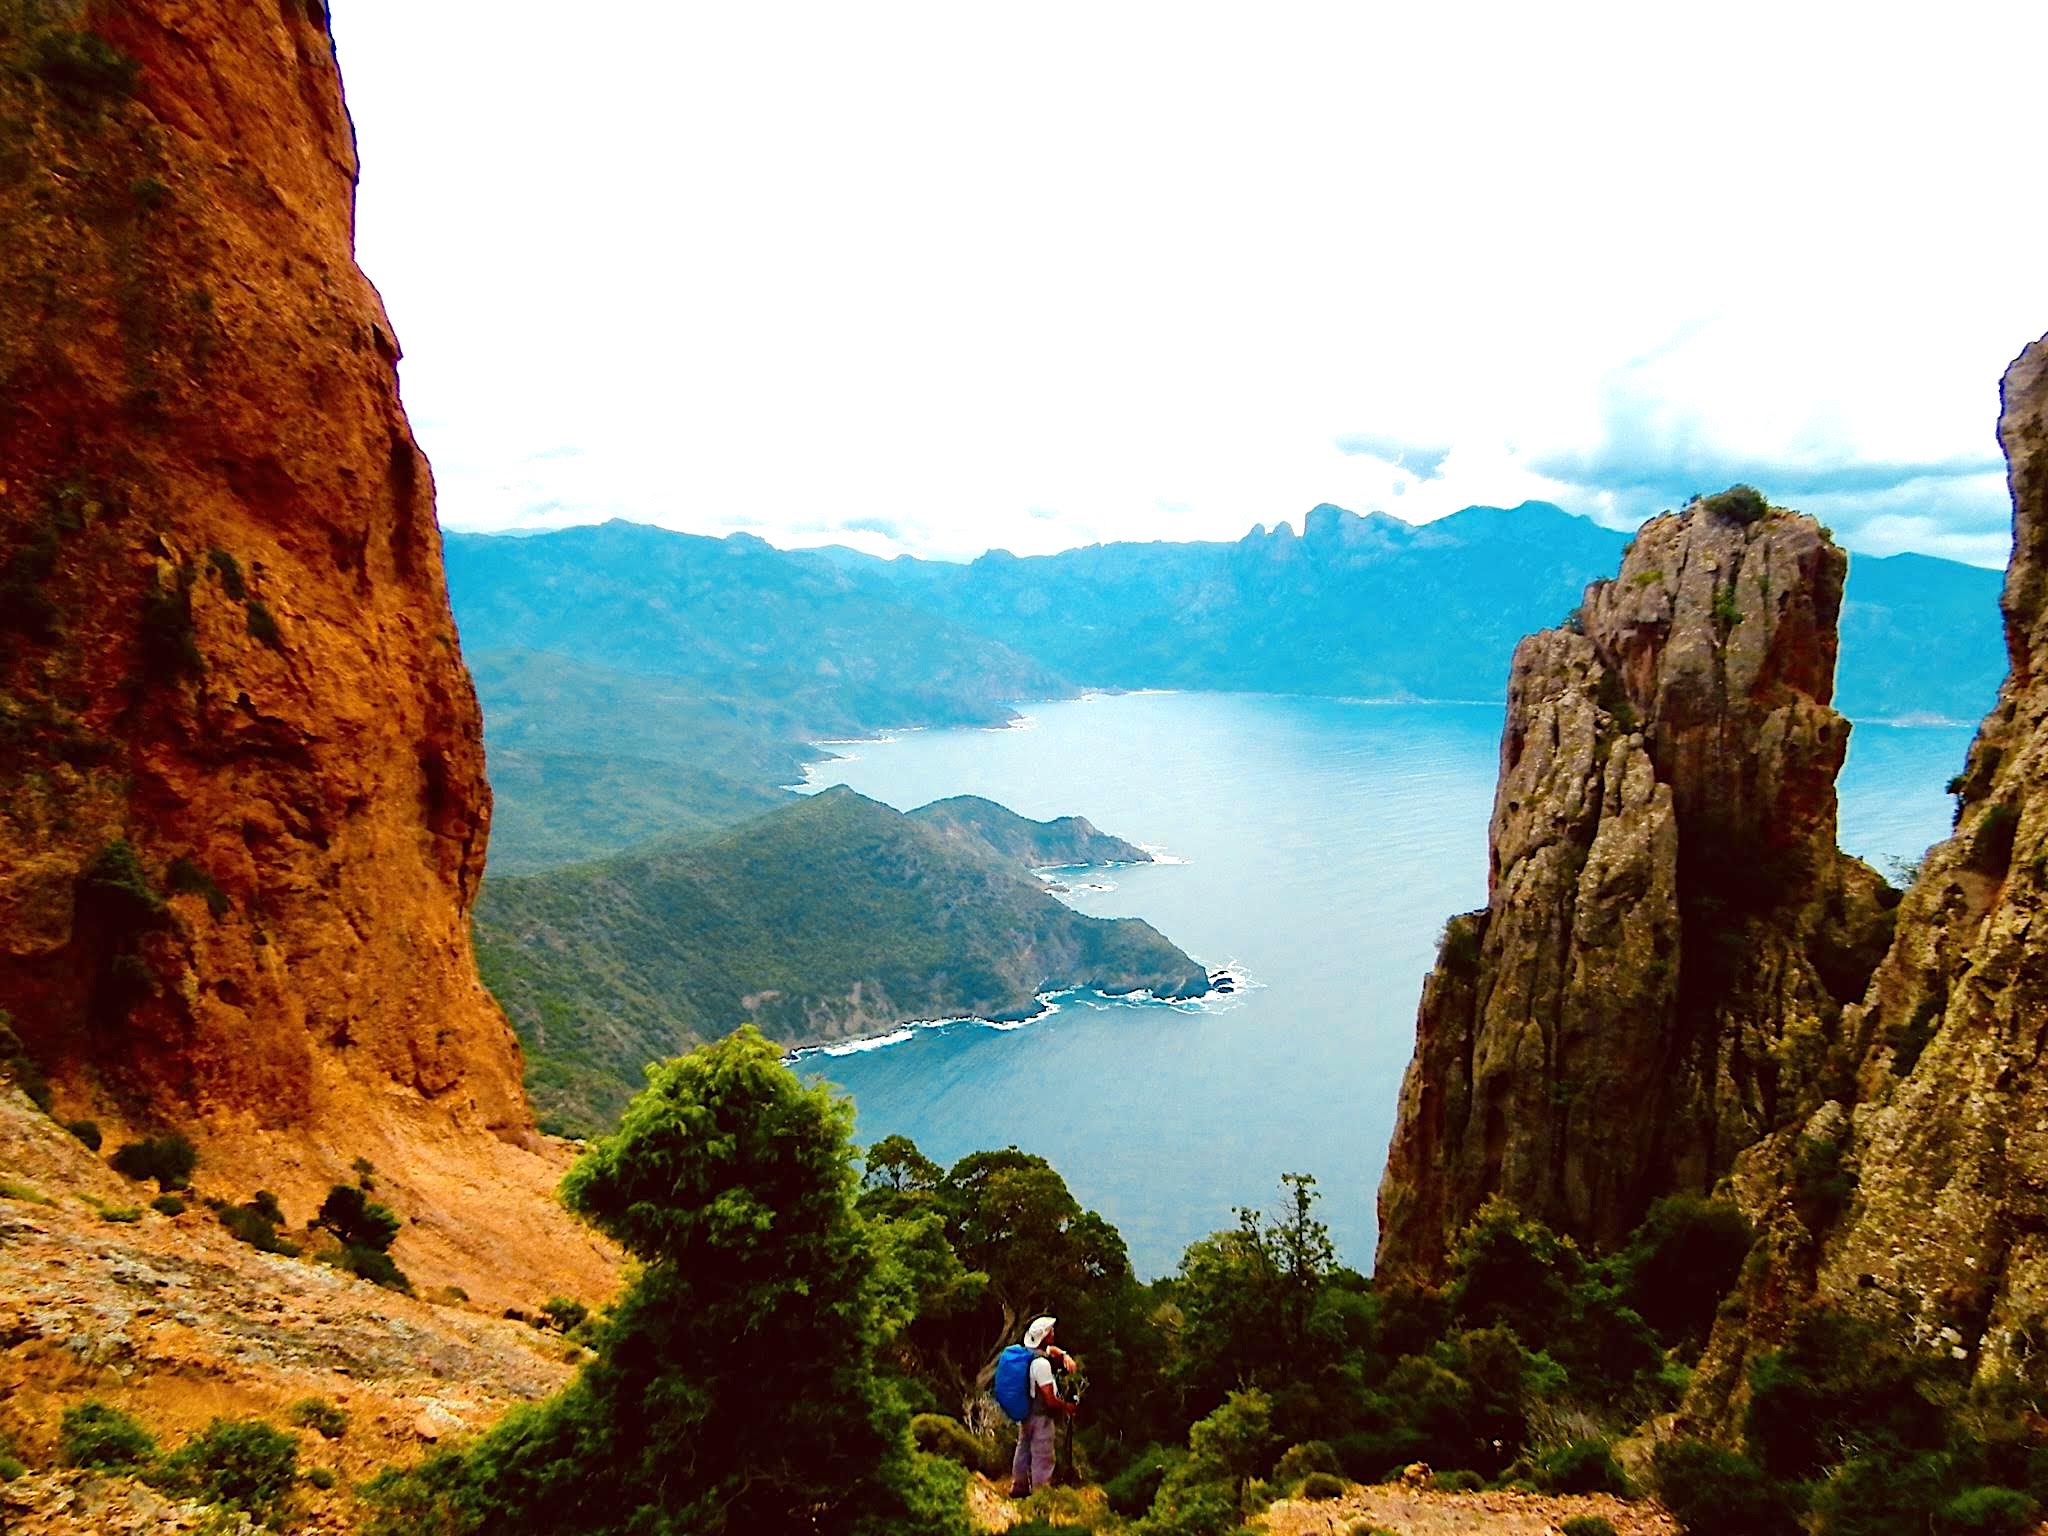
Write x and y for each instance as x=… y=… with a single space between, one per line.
x=1313 y=849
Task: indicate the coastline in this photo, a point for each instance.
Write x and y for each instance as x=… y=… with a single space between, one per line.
x=1048 y=1004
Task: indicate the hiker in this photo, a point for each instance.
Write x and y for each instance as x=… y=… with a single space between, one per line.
x=1026 y=1391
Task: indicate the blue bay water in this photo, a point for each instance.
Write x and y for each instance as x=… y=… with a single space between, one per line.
x=1325 y=841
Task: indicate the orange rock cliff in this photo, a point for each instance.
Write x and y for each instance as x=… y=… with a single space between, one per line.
x=242 y=800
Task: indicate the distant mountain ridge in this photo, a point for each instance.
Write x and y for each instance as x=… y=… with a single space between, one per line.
x=596 y=646
x=832 y=917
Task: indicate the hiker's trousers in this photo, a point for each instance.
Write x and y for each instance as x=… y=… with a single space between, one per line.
x=1031 y=1467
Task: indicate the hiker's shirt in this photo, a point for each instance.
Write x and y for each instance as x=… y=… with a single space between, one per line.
x=1041 y=1376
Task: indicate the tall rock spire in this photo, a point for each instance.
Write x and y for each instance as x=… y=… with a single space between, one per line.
x=1670 y=934
x=242 y=802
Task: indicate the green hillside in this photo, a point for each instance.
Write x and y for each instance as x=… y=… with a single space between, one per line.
x=982 y=825
x=829 y=918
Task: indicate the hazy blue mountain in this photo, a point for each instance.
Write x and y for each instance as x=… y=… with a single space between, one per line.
x=1371 y=606
x=603 y=654
x=829 y=917
x=743 y=620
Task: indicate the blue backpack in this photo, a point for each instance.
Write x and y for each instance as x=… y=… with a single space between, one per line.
x=1013 y=1382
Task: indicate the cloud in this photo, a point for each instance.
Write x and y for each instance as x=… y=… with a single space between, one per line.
x=1424 y=463
x=887 y=527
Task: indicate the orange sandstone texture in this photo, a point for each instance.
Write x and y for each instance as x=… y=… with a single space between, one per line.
x=242 y=801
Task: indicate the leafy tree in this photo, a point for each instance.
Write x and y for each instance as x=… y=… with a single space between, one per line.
x=357 y=1220
x=735 y=1387
x=895 y=1163
x=1010 y=1216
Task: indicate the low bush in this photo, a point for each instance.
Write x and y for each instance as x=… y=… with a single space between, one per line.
x=1739 y=503
x=376 y=1266
x=168 y=1205
x=242 y=1463
x=169 y=1159
x=322 y=1478
x=1323 y=1485
x=937 y=1435
x=1588 y=1525
x=1300 y=1460
x=1131 y=1491
x=96 y=1434
x=1712 y=1492
x=1987 y=1512
x=121 y=1213
x=320 y=1416
x=1584 y=1466
x=1459 y=1482
x=564 y=1314
x=356 y=1219
x=256 y=1226
x=86 y=1131
x=83 y=70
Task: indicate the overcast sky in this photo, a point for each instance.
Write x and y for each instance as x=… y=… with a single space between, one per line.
x=947 y=277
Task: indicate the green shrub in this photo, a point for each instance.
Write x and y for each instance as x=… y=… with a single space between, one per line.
x=1739 y=503
x=188 y=879
x=1727 y=611
x=83 y=70
x=1877 y=1495
x=1837 y=1387
x=322 y=1478
x=14 y=1057
x=263 y=626
x=86 y=1131
x=264 y=1203
x=1131 y=1492
x=564 y=1314
x=242 y=1463
x=120 y=1213
x=10 y=1467
x=1821 y=1186
x=1300 y=1460
x=937 y=1435
x=168 y=1159
x=1459 y=1482
x=320 y=1416
x=1588 y=1525
x=1684 y=1257
x=229 y=569
x=1712 y=1492
x=376 y=1266
x=1987 y=1512
x=1323 y=1485
x=1584 y=1466
x=14 y=1189
x=252 y=1225
x=116 y=890
x=168 y=1205
x=96 y=1434
x=357 y=1220
x=1458 y=948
